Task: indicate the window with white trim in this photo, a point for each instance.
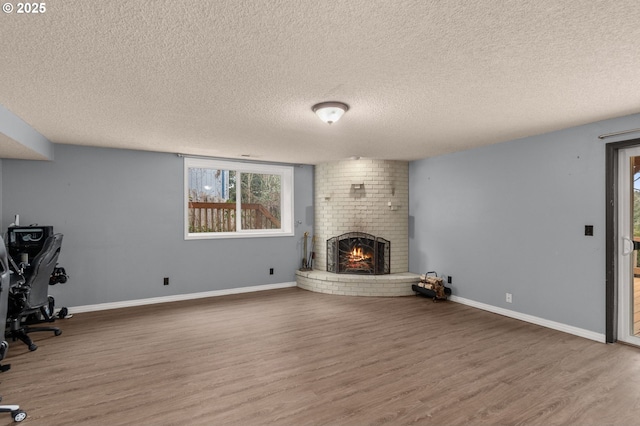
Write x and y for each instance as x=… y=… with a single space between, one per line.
x=227 y=199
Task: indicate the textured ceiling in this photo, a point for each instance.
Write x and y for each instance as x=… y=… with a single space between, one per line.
x=228 y=78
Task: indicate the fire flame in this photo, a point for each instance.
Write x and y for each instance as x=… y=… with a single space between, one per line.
x=358 y=255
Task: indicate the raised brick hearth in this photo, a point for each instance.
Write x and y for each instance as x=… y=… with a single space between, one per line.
x=367 y=196
x=357 y=285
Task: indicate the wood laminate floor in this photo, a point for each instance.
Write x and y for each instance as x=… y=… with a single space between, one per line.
x=292 y=357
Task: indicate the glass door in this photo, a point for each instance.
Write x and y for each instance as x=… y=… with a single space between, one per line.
x=628 y=240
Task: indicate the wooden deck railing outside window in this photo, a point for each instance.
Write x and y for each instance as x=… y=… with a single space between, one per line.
x=636 y=264
x=221 y=217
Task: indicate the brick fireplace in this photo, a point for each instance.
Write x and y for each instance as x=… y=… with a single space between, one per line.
x=362 y=197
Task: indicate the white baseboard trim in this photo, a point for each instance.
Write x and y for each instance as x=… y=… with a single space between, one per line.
x=598 y=337
x=587 y=334
x=177 y=297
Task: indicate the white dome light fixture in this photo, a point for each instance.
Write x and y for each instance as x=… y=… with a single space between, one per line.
x=330 y=112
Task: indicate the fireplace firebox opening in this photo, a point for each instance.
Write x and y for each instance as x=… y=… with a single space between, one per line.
x=358 y=253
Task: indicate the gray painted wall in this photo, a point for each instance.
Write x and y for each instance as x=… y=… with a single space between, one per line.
x=1 y=191
x=121 y=214
x=510 y=218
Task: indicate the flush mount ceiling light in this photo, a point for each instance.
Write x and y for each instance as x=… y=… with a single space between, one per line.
x=330 y=112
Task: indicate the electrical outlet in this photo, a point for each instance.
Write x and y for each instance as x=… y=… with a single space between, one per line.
x=449 y=279
x=270 y=271
x=166 y=280
x=509 y=298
